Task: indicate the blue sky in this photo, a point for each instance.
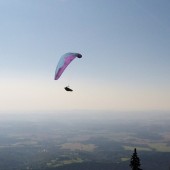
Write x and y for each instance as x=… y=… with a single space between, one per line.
x=125 y=47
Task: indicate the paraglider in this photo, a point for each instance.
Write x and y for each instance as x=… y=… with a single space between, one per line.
x=64 y=61
x=67 y=88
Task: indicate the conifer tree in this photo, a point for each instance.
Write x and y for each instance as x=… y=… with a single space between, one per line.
x=135 y=161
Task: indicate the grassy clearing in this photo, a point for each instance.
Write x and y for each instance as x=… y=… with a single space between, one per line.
x=78 y=146
x=159 y=147
x=131 y=148
x=125 y=159
x=57 y=163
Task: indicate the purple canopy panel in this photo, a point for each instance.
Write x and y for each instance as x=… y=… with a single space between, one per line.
x=65 y=61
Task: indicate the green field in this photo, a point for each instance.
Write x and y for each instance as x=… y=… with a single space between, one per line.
x=78 y=146
x=57 y=162
x=131 y=148
x=159 y=147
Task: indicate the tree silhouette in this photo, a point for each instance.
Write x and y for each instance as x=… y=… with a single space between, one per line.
x=135 y=161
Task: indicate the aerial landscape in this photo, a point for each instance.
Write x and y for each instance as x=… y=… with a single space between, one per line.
x=84 y=85
x=79 y=142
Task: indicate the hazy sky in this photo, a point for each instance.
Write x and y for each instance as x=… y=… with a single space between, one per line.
x=125 y=46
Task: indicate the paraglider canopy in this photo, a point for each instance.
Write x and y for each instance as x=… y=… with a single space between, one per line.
x=64 y=61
